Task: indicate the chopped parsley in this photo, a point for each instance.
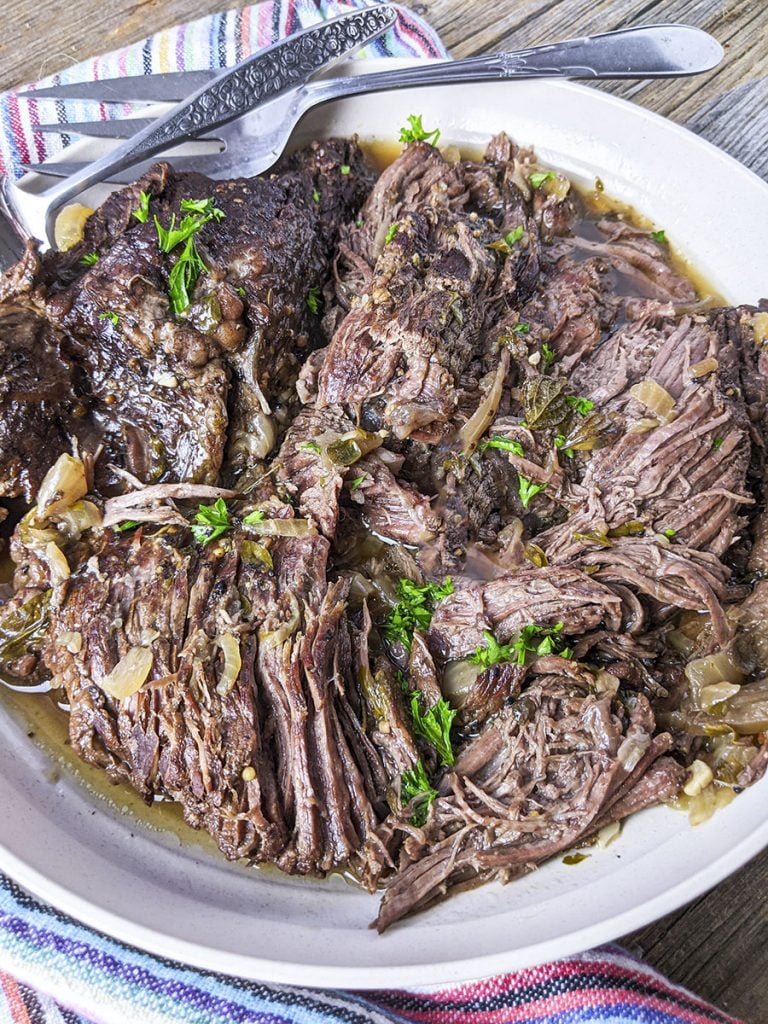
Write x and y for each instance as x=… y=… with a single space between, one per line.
x=659 y=236
x=493 y=652
x=547 y=354
x=211 y=521
x=717 y=443
x=391 y=232
x=240 y=291
x=560 y=445
x=669 y=533
x=504 y=245
x=521 y=328
x=309 y=446
x=414 y=785
x=417 y=132
x=189 y=265
x=532 y=639
x=315 y=196
x=257 y=516
x=504 y=444
x=89 y=259
x=538 y=178
x=314 y=299
x=345 y=169
x=127 y=524
x=359 y=222
x=434 y=726
x=527 y=489
x=110 y=315
x=581 y=405
x=414 y=609
x=142 y=213
x=357 y=482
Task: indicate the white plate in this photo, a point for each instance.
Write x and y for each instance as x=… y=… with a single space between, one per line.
x=177 y=898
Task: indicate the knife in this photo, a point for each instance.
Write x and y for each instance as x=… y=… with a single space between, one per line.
x=260 y=79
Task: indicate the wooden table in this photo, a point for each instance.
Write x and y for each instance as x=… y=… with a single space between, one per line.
x=718 y=945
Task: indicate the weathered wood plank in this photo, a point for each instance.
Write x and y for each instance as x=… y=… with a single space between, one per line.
x=717 y=945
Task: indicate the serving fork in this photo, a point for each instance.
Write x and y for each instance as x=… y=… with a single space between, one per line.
x=251 y=143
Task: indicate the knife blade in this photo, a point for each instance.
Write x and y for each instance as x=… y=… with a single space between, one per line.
x=170 y=87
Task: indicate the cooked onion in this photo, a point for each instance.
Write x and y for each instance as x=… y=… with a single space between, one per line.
x=654 y=397
x=286 y=629
x=57 y=562
x=702 y=368
x=478 y=422
x=699 y=777
x=63 y=485
x=747 y=710
x=760 y=327
x=81 y=516
x=642 y=426
x=716 y=693
x=281 y=528
x=458 y=679
x=230 y=648
x=351 y=447
x=129 y=674
x=632 y=750
x=72 y=641
x=607 y=834
x=714 y=668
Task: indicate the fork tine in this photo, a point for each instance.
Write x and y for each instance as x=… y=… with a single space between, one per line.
x=117 y=129
x=171 y=88
x=65 y=168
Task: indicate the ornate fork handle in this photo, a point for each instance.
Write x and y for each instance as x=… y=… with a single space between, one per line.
x=646 y=52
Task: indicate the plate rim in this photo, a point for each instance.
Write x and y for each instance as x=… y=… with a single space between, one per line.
x=165 y=945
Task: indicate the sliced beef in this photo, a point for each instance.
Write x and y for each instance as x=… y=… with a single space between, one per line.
x=525 y=801
x=503 y=606
x=40 y=408
x=256 y=759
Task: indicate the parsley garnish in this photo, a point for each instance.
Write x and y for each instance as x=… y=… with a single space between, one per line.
x=257 y=516
x=89 y=259
x=315 y=196
x=357 y=482
x=314 y=299
x=128 y=524
x=359 y=222
x=240 y=291
x=659 y=236
x=521 y=328
x=189 y=264
x=309 y=446
x=493 y=652
x=669 y=533
x=504 y=245
x=581 y=405
x=391 y=232
x=434 y=726
x=111 y=316
x=417 y=132
x=211 y=521
x=538 y=178
x=345 y=169
x=532 y=639
x=504 y=444
x=527 y=489
x=548 y=355
x=717 y=442
x=414 y=609
x=142 y=213
x=415 y=784
x=560 y=445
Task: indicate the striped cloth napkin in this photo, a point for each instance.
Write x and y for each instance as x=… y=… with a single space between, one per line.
x=56 y=971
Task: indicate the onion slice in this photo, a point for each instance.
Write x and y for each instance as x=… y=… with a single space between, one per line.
x=129 y=674
x=478 y=422
x=63 y=485
x=230 y=649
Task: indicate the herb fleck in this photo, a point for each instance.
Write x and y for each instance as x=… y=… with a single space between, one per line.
x=345 y=169
x=391 y=232
x=416 y=132
x=538 y=178
x=414 y=609
x=504 y=444
x=414 y=785
x=111 y=316
x=434 y=726
x=314 y=299
x=659 y=236
x=527 y=489
x=581 y=405
x=89 y=259
x=142 y=213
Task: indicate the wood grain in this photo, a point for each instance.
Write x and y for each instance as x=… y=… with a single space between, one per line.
x=717 y=945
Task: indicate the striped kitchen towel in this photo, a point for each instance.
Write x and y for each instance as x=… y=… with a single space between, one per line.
x=218 y=41
x=56 y=971
x=61 y=972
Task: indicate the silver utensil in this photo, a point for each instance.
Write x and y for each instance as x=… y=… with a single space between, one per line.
x=268 y=74
x=171 y=87
x=252 y=143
